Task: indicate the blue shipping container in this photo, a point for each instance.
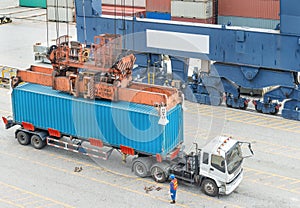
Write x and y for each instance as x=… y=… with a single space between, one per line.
x=158 y=15
x=115 y=123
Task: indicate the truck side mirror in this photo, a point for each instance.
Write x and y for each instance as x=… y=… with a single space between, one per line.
x=222 y=163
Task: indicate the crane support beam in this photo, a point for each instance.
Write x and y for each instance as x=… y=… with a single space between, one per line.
x=226 y=44
x=253 y=77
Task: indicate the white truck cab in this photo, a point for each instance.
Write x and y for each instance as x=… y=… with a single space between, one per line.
x=221 y=165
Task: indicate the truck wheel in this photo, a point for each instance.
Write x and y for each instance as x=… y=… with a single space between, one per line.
x=140 y=169
x=37 y=142
x=158 y=174
x=23 y=138
x=209 y=187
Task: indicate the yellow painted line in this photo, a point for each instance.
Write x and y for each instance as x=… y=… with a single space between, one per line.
x=31 y=193
x=202 y=111
x=11 y=203
x=232 y=112
x=249 y=119
x=32 y=202
x=272 y=149
x=149 y=182
x=291 y=125
x=123 y=175
x=267 y=177
x=89 y=178
x=272 y=174
x=261 y=121
x=287 y=129
x=206 y=114
x=276 y=124
x=13 y=195
x=285 y=155
x=296 y=127
x=272 y=186
x=296 y=189
x=22 y=199
x=9 y=191
x=283 y=146
x=236 y=117
x=45 y=205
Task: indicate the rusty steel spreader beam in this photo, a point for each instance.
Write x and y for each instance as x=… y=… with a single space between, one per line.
x=105 y=75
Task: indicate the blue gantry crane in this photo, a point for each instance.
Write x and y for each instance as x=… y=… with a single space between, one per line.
x=241 y=57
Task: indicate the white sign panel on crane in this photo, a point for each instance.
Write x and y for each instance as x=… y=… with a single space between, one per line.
x=178 y=41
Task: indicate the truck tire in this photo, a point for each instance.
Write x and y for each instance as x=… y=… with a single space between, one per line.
x=209 y=187
x=244 y=107
x=140 y=169
x=37 y=142
x=23 y=138
x=158 y=174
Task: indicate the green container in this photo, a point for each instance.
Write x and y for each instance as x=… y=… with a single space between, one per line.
x=33 y=3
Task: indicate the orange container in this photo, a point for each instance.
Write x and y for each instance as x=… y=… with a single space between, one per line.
x=206 y=21
x=162 y=6
x=123 y=11
x=267 y=9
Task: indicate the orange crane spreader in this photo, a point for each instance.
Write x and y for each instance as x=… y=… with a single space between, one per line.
x=96 y=72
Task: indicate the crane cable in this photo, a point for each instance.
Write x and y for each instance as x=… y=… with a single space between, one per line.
x=67 y=19
x=47 y=26
x=133 y=20
x=115 y=17
x=123 y=22
x=56 y=19
x=84 y=23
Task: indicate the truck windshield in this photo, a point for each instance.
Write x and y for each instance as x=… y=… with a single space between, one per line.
x=234 y=158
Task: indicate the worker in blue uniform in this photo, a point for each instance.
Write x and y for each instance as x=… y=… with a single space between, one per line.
x=173 y=188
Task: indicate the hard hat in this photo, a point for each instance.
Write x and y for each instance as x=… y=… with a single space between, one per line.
x=172 y=176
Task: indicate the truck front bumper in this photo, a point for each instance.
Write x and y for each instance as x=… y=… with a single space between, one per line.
x=228 y=188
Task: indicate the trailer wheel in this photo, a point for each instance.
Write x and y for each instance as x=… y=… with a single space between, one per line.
x=158 y=174
x=209 y=187
x=23 y=138
x=140 y=169
x=37 y=142
x=275 y=112
x=256 y=108
x=244 y=107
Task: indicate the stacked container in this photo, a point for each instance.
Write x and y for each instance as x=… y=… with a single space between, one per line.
x=33 y=3
x=123 y=11
x=158 y=9
x=124 y=8
x=61 y=11
x=250 y=13
x=126 y=3
x=201 y=11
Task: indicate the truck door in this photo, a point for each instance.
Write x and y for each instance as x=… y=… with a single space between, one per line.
x=245 y=149
x=213 y=166
x=217 y=169
x=204 y=164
